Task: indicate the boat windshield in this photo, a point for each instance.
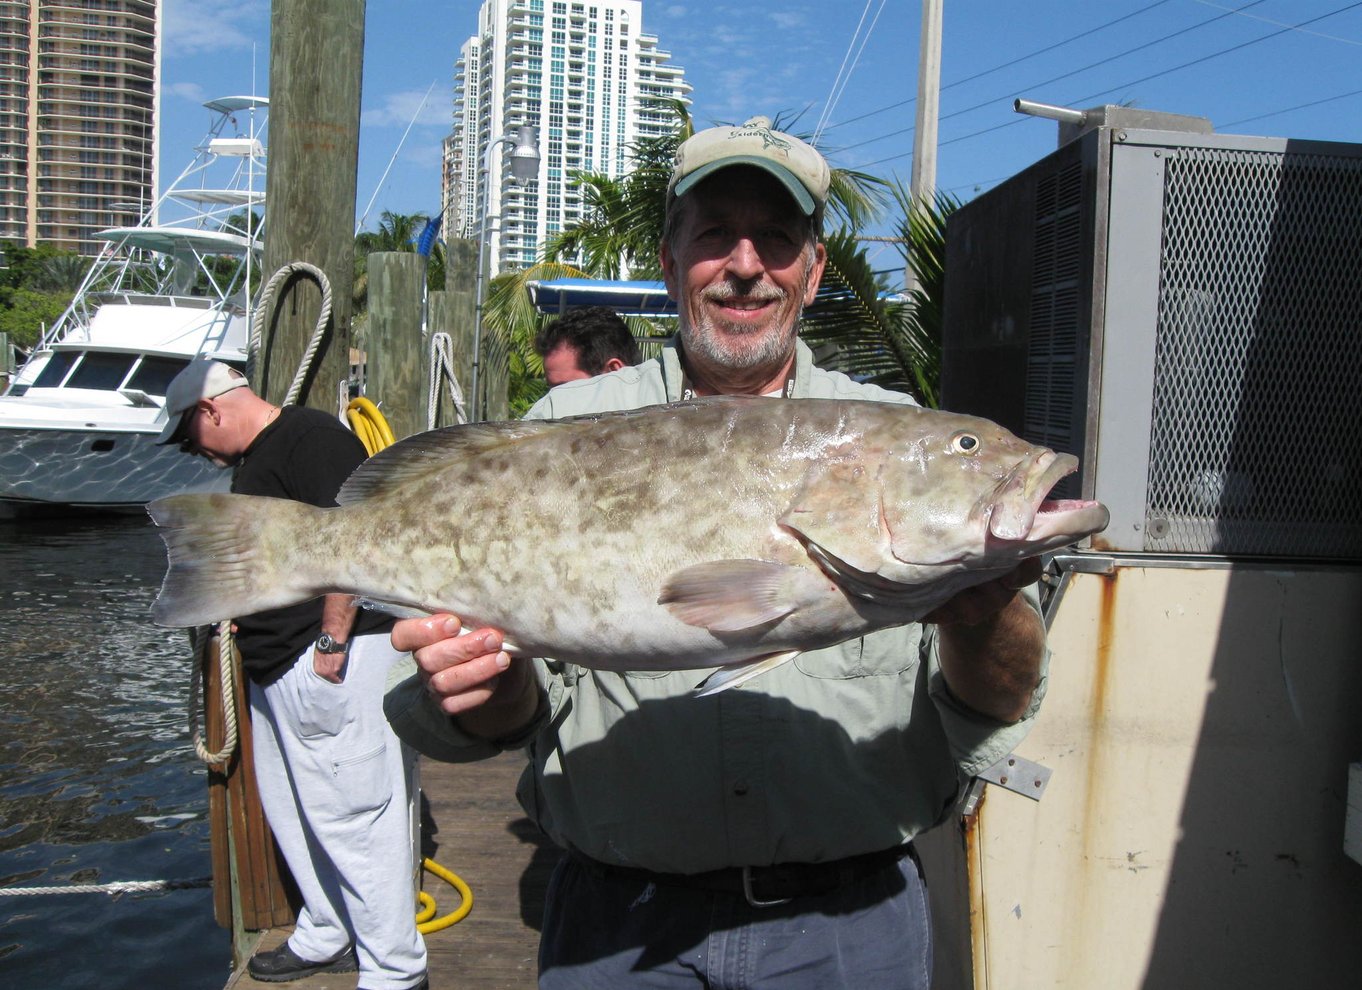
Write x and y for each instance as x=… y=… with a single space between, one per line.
x=153 y=375
x=101 y=371
x=55 y=370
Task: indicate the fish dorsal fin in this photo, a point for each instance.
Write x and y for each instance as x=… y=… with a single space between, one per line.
x=423 y=453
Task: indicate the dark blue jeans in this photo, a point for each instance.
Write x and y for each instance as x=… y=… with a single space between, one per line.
x=607 y=932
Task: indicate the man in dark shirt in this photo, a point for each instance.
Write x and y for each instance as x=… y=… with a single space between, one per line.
x=336 y=784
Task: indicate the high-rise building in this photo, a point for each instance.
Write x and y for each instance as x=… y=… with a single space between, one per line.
x=586 y=74
x=78 y=87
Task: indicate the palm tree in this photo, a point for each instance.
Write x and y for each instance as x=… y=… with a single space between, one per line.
x=396 y=232
x=886 y=338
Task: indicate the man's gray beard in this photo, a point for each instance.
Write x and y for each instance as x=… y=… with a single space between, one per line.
x=709 y=346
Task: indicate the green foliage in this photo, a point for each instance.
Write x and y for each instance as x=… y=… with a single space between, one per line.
x=890 y=340
x=26 y=312
x=396 y=232
x=36 y=286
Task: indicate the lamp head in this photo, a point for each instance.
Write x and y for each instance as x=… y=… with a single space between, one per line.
x=525 y=154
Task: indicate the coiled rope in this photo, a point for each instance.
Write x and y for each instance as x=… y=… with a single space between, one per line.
x=203 y=641
x=262 y=310
x=442 y=366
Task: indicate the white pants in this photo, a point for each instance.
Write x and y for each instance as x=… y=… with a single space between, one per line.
x=336 y=785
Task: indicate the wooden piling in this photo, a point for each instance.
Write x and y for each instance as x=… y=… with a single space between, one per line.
x=397 y=374
x=316 y=58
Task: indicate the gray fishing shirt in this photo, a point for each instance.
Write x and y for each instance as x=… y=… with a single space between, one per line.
x=845 y=750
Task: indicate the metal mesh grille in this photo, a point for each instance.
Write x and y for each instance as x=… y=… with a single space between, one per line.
x=1256 y=444
x=1052 y=345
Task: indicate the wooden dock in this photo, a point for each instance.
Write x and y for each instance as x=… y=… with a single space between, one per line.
x=472 y=825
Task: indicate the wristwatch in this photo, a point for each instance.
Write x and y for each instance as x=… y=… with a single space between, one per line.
x=326 y=643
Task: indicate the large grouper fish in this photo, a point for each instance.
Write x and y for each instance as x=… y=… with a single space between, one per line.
x=725 y=532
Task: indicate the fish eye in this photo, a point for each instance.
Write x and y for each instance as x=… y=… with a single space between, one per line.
x=964 y=443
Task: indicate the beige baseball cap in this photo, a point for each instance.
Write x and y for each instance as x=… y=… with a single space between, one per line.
x=204 y=378
x=798 y=166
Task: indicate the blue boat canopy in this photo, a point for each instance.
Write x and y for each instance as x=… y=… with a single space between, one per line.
x=557 y=296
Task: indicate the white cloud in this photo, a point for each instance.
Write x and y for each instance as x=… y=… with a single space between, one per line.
x=188 y=91
x=195 y=27
x=398 y=109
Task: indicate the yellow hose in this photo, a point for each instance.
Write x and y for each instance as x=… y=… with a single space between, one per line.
x=424 y=926
x=369 y=424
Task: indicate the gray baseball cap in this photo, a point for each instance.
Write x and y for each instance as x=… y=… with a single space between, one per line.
x=204 y=378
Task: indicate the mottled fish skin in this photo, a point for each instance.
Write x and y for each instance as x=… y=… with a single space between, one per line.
x=684 y=536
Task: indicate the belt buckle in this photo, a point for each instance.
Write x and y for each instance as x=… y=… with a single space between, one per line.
x=752 y=898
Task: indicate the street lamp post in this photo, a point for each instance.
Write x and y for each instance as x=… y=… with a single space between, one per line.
x=524 y=169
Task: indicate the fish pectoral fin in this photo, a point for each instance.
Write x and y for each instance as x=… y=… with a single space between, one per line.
x=731 y=595
x=740 y=673
x=396 y=609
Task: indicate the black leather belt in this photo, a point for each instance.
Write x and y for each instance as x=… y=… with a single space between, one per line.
x=761 y=886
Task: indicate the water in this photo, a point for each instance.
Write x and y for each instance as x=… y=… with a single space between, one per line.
x=98 y=781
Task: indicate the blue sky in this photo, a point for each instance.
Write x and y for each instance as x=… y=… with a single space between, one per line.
x=1187 y=56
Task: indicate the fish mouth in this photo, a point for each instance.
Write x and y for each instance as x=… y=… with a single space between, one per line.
x=1021 y=513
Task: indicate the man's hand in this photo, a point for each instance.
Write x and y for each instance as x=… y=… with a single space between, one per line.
x=462 y=672
x=329 y=666
x=471 y=676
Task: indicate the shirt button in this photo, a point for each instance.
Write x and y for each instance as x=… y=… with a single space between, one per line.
x=740 y=787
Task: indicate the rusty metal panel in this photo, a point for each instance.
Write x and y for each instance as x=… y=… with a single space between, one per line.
x=1198 y=726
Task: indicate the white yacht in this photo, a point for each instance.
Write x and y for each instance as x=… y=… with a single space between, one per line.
x=79 y=421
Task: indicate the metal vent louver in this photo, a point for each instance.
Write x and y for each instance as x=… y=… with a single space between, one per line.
x=1256 y=437
x=1054 y=320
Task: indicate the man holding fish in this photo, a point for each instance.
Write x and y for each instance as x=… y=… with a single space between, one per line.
x=759 y=837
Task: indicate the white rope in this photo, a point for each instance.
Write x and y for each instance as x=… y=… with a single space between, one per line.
x=227 y=683
x=442 y=366
x=323 y=317
x=115 y=888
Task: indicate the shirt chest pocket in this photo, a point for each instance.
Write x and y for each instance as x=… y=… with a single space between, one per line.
x=886 y=653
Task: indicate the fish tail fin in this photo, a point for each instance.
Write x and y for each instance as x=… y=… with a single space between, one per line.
x=221 y=559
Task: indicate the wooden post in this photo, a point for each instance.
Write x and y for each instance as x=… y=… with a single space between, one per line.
x=396 y=348
x=252 y=888
x=316 y=55
x=461 y=271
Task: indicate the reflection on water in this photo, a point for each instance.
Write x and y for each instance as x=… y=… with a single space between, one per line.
x=98 y=782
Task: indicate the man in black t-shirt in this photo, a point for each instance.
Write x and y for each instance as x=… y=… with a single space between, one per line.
x=336 y=784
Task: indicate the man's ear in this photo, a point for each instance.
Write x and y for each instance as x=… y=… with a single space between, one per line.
x=820 y=261
x=614 y=364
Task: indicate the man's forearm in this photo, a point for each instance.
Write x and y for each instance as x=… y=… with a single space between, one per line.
x=338 y=616
x=994 y=666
